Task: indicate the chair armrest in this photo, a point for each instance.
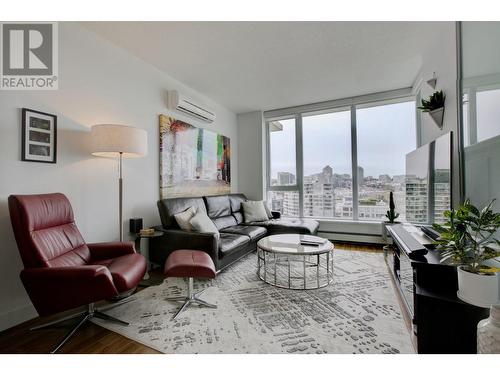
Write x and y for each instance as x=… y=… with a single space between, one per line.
x=56 y=289
x=107 y=250
x=276 y=214
x=175 y=239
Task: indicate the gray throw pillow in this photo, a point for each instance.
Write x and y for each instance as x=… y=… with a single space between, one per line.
x=183 y=218
x=254 y=211
x=202 y=223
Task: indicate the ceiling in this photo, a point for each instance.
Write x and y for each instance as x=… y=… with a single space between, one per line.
x=249 y=66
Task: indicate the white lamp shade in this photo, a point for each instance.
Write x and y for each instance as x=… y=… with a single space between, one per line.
x=110 y=140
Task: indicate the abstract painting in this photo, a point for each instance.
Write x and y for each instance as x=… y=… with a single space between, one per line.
x=194 y=162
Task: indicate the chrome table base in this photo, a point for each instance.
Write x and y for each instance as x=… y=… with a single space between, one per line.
x=191 y=298
x=85 y=316
x=269 y=264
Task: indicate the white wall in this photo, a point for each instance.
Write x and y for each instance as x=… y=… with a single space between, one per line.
x=481 y=63
x=251 y=164
x=99 y=83
x=440 y=57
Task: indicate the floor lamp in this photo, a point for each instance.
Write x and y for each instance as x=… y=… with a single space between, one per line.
x=119 y=141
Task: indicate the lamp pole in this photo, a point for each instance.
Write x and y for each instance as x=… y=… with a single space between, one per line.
x=120 y=197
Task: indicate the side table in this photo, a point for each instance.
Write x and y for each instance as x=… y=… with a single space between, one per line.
x=138 y=238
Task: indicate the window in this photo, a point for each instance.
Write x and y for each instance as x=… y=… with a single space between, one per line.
x=327 y=183
x=385 y=134
x=282 y=152
x=488 y=114
x=480 y=114
x=314 y=155
x=285 y=202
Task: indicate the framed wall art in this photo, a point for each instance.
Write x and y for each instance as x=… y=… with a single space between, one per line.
x=193 y=161
x=39 y=136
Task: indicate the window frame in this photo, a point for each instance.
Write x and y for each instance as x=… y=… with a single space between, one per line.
x=352 y=104
x=472 y=86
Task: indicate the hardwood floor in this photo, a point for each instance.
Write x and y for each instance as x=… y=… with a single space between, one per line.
x=90 y=339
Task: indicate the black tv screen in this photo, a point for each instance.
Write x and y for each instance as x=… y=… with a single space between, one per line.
x=429 y=181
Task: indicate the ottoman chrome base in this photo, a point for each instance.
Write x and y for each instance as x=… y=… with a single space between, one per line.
x=191 y=298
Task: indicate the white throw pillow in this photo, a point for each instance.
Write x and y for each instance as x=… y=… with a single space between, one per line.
x=183 y=218
x=254 y=211
x=202 y=223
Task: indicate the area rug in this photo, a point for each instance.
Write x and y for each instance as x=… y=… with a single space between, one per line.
x=357 y=313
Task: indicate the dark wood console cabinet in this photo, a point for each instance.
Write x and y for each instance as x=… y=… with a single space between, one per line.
x=442 y=322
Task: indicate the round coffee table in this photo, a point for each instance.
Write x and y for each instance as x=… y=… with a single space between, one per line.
x=283 y=262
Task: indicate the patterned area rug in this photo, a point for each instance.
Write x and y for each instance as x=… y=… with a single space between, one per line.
x=357 y=313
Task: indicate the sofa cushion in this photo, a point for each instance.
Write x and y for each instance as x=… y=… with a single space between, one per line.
x=230 y=242
x=239 y=217
x=224 y=222
x=169 y=207
x=252 y=231
x=235 y=200
x=289 y=225
x=218 y=206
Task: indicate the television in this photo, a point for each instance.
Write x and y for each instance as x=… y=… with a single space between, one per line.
x=428 y=181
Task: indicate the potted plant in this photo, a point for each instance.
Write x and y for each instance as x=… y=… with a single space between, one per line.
x=435 y=107
x=391 y=216
x=468 y=238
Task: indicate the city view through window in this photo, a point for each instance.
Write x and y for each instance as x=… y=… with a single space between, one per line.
x=384 y=134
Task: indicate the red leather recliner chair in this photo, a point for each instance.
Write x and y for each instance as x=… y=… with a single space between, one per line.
x=61 y=271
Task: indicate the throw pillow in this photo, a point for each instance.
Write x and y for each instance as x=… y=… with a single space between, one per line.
x=254 y=211
x=183 y=218
x=202 y=223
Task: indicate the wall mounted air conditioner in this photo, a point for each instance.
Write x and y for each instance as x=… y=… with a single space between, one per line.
x=179 y=102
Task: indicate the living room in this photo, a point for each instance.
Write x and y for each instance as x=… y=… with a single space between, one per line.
x=306 y=177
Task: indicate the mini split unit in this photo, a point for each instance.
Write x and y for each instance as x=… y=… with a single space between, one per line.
x=179 y=102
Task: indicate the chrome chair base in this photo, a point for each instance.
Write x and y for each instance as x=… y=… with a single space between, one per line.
x=85 y=316
x=191 y=298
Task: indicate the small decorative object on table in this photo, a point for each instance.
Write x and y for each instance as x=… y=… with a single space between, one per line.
x=39 y=136
x=488 y=333
x=468 y=239
x=147 y=232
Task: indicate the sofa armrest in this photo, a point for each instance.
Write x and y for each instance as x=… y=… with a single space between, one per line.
x=56 y=289
x=276 y=214
x=175 y=239
x=108 y=250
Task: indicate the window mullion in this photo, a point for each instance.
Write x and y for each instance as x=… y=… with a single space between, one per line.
x=354 y=162
x=299 y=162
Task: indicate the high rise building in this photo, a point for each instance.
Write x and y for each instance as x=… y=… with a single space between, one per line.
x=361 y=175
x=442 y=194
x=416 y=199
x=286 y=178
x=319 y=197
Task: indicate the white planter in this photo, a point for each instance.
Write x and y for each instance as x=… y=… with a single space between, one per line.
x=478 y=290
x=438 y=115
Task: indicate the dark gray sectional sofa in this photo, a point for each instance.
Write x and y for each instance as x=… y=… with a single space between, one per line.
x=236 y=239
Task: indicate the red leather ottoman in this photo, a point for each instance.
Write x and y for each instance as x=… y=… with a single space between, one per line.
x=190 y=264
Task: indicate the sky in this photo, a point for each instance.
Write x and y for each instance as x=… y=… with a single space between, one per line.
x=385 y=134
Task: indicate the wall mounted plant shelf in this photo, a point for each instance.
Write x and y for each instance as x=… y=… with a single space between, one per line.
x=435 y=107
